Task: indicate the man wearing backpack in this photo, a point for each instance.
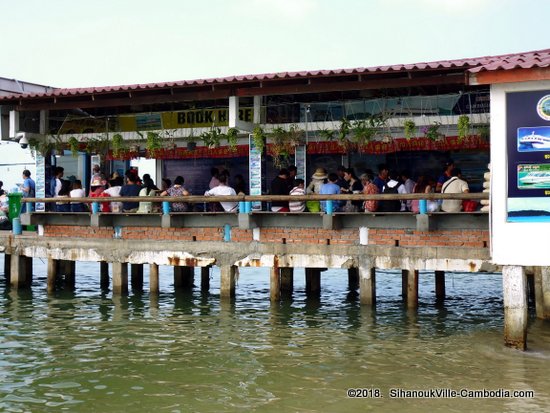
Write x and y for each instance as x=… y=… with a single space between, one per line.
x=393 y=186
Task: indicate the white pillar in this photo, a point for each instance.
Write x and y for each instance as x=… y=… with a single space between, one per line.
x=515 y=306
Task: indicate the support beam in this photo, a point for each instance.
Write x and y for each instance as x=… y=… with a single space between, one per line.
x=7 y=267
x=205 y=279
x=137 y=277
x=120 y=277
x=228 y=274
x=153 y=279
x=515 y=306
x=412 y=288
x=313 y=282
x=287 y=280
x=52 y=274
x=104 y=275
x=367 y=284
x=542 y=292
x=440 y=286
x=20 y=271
x=184 y=278
x=404 y=281
x=69 y=270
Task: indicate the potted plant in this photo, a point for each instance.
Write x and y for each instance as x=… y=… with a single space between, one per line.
x=409 y=128
x=432 y=131
x=232 y=137
x=117 y=145
x=153 y=144
x=212 y=137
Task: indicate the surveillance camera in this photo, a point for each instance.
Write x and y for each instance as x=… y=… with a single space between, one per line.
x=23 y=141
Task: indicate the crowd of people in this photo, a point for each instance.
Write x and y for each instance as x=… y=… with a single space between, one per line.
x=345 y=181
x=342 y=181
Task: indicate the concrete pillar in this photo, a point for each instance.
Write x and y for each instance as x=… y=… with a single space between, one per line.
x=275 y=284
x=287 y=280
x=440 y=286
x=313 y=282
x=52 y=274
x=104 y=275
x=205 y=278
x=542 y=292
x=515 y=306
x=136 y=277
x=153 y=279
x=120 y=277
x=404 y=281
x=69 y=270
x=353 y=278
x=367 y=284
x=412 y=288
x=20 y=271
x=184 y=278
x=7 y=267
x=228 y=274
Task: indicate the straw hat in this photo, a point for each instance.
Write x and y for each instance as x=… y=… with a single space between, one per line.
x=320 y=173
x=96 y=181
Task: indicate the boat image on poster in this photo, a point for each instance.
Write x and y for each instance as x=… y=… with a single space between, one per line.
x=534 y=139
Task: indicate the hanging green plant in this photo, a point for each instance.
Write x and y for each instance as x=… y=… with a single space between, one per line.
x=463 y=127
x=232 y=139
x=326 y=134
x=363 y=132
x=212 y=137
x=483 y=131
x=409 y=128
x=432 y=131
x=344 y=130
x=117 y=145
x=153 y=143
x=74 y=146
x=258 y=137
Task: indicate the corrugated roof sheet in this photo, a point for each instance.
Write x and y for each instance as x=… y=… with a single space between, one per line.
x=526 y=60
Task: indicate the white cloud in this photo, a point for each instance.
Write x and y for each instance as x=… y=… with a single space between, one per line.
x=293 y=9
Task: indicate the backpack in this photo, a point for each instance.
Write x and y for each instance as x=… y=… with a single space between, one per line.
x=387 y=205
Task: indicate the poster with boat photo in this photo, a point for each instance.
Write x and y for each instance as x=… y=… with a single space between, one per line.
x=528 y=142
x=534 y=139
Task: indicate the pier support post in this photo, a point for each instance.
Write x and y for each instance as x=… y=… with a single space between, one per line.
x=184 y=277
x=275 y=284
x=53 y=265
x=440 y=286
x=20 y=271
x=542 y=292
x=367 y=284
x=404 y=282
x=153 y=279
x=104 y=275
x=353 y=279
x=313 y=282
x=287 y=280
x=69 y=270
x=412 y=288
x=137 y=277
x=228 y=275
x=7 y=267
x=120 y=278
x=515 y=306
x=205 y=279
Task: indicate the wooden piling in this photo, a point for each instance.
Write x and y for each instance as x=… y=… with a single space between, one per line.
x=104 y=275
x=440 y=286
x=7 y=267
x=542 y=292
x=404 y=284
x=20 y=271
x=515 y=306
x=52 y=274
x=412 y=288
x=120 y=277
x=184 y=278
x=228 y=274
x=69 y=270
x=137 y=277
x=367 y=285
x=287 y=280
x=353 y=279
x=275 y=284
x=313 y=282
x=153 y=279
x=205 y=279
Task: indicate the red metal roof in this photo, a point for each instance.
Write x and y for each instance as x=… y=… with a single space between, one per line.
x=526 y=60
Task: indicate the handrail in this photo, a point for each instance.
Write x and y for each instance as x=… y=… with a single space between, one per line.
x=266 y=198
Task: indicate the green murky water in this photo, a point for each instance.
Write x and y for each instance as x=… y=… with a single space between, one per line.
x=85 y=351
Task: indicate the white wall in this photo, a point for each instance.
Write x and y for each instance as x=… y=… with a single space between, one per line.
x=512 y=243
x=13 y=160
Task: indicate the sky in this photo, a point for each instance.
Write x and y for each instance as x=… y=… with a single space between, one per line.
x=64 y=43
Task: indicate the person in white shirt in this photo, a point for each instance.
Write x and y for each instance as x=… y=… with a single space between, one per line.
x=455 y=185
x=297 y=206
x=223 y=190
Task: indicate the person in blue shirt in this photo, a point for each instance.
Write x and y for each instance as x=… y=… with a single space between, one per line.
x=331 y=188
x=28 y=188
x=382 y=177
